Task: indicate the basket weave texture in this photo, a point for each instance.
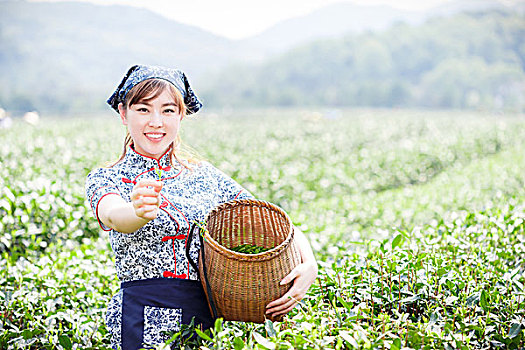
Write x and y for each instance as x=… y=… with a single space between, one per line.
x=243 y=284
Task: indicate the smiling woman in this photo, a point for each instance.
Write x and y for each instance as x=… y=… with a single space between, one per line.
x=148 y=200
x=132 y=101
x=153 y=121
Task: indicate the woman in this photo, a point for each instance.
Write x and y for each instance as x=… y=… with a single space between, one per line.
x=147 y=201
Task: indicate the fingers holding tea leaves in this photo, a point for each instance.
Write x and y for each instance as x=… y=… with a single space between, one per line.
x=149 y=183
x=145 y=198
x=146 y=188
x=146 y=207
x=147 y=212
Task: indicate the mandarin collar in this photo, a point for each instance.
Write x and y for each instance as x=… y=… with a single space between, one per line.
x=139 y=160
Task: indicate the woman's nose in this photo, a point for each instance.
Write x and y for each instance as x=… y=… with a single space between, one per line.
x=156 y=119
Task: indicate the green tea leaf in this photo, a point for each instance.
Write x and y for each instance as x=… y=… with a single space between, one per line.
x=218 y=325
x=348 y=338
x=514 y=330
x=203 y=335
x=396 y=344
x=483 y=301
x=65 y=342
x=268 y=325
x=159 y=173
x=397 y=241
x=345 y=304
x=473 y=299
x=238 y=343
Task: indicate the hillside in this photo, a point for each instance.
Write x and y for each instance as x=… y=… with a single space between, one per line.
x=54 y=52
x=472 y=60
x=337 y=19
x=328 y=22
x=66 y=57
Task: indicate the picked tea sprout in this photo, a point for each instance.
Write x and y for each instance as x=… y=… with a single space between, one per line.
x=159 y=172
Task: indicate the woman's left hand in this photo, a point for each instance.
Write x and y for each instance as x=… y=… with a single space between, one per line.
x=303 y=275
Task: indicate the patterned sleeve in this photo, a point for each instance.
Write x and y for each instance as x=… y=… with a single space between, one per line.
x=100 y=183
x=228 y=188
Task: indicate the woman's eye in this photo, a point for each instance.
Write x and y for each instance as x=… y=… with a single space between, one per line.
x=169 y=111
x=142 y=109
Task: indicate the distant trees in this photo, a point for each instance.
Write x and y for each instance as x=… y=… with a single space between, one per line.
x=50 y=62
x=466 y=61
x=473 y=83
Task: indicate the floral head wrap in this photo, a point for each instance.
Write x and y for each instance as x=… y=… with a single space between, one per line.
x=139 y=73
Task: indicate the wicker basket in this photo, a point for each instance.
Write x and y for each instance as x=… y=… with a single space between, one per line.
x=243 y=284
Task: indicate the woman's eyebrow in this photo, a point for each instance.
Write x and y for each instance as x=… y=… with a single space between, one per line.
x=163 y=105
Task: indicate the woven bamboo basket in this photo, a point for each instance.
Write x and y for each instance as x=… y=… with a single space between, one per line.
x=243 y=284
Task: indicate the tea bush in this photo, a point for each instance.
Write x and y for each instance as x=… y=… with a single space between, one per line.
x=416 y=218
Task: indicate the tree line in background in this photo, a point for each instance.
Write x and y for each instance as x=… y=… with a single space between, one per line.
x=468 y=61
x=472 y=60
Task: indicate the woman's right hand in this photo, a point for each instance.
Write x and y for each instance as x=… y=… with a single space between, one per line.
x=146 y=199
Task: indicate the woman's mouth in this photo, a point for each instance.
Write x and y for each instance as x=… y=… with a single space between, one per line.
x=154 y=136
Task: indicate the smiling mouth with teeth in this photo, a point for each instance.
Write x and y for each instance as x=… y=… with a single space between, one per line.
x=154 y=136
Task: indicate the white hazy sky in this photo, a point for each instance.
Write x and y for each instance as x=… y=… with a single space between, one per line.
x=238 y=19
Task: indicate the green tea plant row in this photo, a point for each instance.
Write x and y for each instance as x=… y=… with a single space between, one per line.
x=42 y=182
x=456 y=284
x=416 y=220
x=302 y=164
x=297 y=159
x=482 y=184
x=451 y=285
x=57 y=299
x=362 y=153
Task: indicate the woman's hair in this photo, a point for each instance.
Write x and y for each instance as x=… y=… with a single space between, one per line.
x=148 y=90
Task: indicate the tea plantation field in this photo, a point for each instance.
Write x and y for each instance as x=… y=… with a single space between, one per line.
x=417 y=220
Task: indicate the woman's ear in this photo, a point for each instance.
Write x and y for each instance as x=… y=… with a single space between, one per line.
x=122 y=112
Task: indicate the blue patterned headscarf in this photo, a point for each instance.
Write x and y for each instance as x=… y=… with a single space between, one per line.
x=139 y=73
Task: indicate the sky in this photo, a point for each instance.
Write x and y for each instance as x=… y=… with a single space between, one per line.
x=237 y=19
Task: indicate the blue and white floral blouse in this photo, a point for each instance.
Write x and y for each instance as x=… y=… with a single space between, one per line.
x=157 y=249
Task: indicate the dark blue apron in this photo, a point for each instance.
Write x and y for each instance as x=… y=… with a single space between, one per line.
x=154 y=304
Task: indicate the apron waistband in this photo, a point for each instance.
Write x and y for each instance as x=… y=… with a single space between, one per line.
x=183 y=283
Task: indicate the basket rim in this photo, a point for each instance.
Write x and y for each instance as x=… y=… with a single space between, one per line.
x=266 y=255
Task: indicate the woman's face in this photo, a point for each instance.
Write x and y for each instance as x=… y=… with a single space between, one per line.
x=152 y=124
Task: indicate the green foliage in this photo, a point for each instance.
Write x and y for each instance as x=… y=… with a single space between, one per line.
x=416 y=219
x=56 y=298
x=454 y=284
x=467 y=61
x=42 y=183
